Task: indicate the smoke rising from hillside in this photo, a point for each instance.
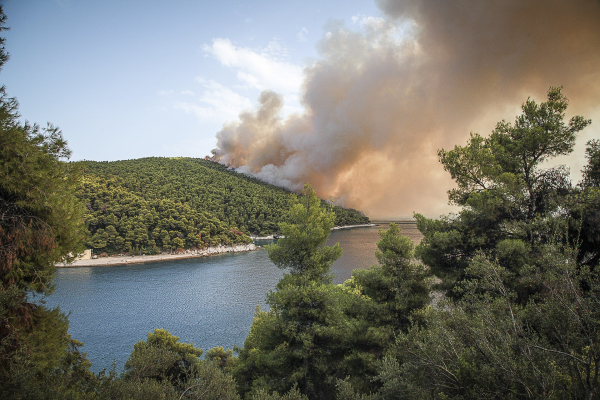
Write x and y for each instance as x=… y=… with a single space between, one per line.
x=379 y=103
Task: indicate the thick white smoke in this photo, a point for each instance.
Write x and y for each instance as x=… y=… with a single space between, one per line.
x=379 y=103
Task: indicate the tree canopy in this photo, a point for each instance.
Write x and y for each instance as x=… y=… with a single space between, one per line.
x=40 y=224
x=500 y=300
x=507 y=197
x=520 y=264
x=302 y=248
x=159 y=204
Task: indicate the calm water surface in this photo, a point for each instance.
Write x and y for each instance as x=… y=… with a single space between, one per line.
x=206 y=301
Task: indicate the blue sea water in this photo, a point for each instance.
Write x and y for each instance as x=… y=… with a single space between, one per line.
x=205 y=301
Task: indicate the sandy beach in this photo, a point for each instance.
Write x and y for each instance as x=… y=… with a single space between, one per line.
x=121 y=260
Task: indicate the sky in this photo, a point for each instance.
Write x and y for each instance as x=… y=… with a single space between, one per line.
x=131 y=79
x=354 y=97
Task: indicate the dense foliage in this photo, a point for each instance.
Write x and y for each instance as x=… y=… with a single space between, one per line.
x=520 y=261
x=511 y=207
x=315 y=333
x=40 y=224
x=155 y=204
x=499 y=301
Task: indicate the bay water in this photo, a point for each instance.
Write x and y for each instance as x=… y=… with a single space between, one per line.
x=205 y=301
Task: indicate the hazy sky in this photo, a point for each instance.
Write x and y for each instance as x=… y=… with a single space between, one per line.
x=129 y=79
x=355 y=97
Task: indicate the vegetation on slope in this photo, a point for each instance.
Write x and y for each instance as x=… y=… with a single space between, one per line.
x=155 y=204
x=519 y=265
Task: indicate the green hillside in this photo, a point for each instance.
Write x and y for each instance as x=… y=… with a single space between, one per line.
x=153 y=204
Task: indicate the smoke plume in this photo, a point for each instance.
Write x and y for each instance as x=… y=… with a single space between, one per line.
x=380 y=102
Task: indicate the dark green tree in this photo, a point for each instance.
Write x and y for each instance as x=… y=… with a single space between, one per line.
x=40 y=216
x=300 y=340
x=388 y=299
x=508 y=201
x=488 y=345
x=40 y=225
x=584 y=210
x=162 y=357
x=162 y=366
x=397 y=287
x=518 y=257
x=591 y=172
x=302 y=248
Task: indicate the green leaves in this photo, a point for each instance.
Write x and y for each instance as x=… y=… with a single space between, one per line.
x=503 y=191
x=397 y=286
x=40 y=218
x=490 y=345
x=522 y=322
x=395 y=250
x=315 y=332
x=162 y=357
x=302 y=248
x=591 y=172
x=200 y=202
x=472 y=167
x=508 y=161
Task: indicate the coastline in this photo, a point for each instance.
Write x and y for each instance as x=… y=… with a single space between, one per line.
x=124 y=260
x=353 y=226
x=272 y=237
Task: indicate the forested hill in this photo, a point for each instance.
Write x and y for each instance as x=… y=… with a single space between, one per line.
x=153 y=204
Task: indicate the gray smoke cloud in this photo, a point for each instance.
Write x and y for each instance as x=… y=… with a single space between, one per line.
x=379 y=103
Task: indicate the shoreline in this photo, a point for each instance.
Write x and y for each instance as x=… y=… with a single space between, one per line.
x=353 y=226
x=272 y=237
x=124 y=260
x=210 y=251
